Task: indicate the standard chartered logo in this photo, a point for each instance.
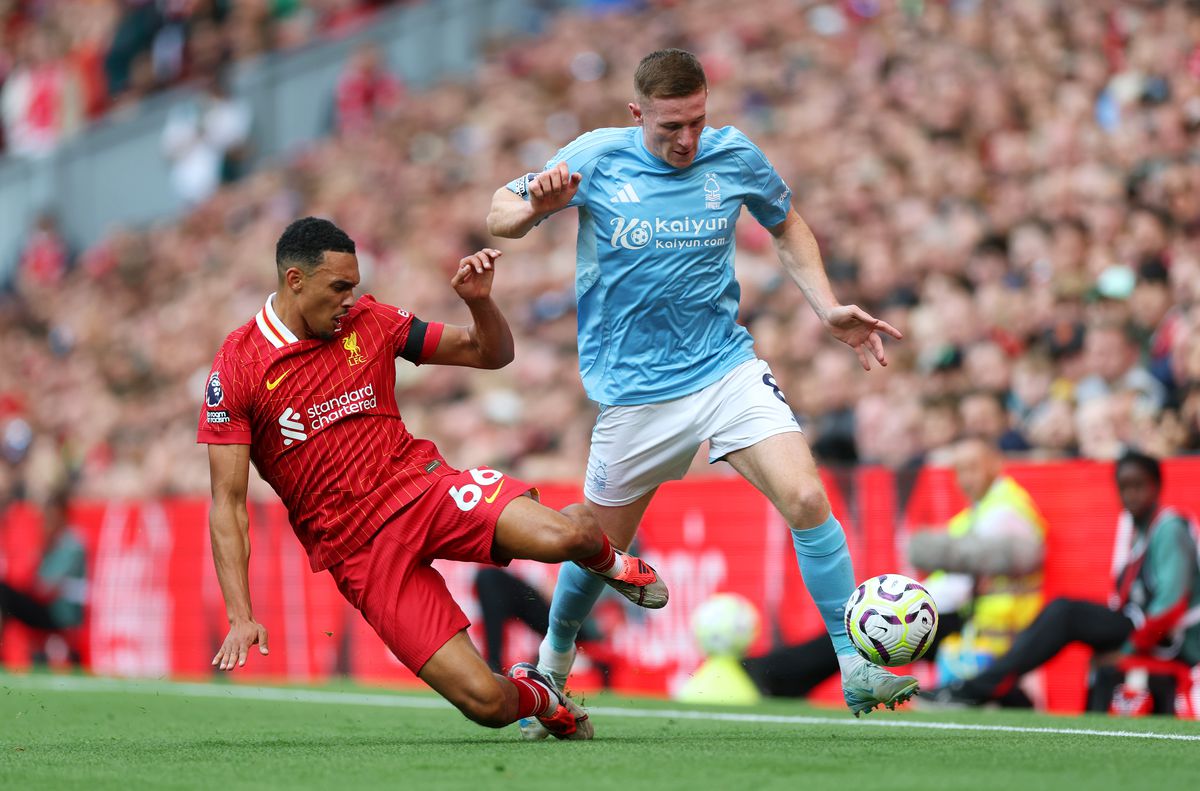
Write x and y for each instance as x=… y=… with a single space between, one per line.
x=631 y=234
x=291 y=428
x=634 y=234
x=351 y=402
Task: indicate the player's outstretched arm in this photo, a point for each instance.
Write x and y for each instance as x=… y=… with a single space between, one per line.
x=850 y=324
x=488 y=343
x=511 y=216
x=229 y=529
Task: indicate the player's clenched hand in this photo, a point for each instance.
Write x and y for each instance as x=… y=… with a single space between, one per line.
x=242 y=634
x=553 y=189
x=473 y=280
x=859 y=330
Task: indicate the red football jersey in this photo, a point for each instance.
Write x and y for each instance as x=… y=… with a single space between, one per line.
x=321 y=421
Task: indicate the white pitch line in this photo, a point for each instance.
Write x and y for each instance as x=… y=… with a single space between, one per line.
x=227 y=691
x=719 y=716
x=183 y=689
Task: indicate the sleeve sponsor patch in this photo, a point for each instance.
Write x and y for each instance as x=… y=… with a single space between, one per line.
x=522 y=184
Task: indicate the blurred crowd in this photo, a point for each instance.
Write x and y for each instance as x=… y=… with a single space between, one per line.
x=1014 y=184
x=66 y=62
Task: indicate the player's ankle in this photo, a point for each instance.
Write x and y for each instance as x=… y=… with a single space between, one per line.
x=549 y=656
x=607 y=562
x=849 y=662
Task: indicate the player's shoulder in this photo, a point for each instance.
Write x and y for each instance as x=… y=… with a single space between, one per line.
x=364 y=304
x=239 y=342
x=597 y=143
x=244 y=349
x=732 y=140
x=367 y=304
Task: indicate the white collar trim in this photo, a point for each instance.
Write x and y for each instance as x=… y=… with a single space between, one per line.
x=274 y=330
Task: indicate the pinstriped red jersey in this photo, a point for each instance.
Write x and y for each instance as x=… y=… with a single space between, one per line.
x=322 y=423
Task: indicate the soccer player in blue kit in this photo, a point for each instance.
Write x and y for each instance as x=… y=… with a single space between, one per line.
x=660 y=348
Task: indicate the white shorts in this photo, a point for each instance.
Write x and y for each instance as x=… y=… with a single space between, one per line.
x=638 y=447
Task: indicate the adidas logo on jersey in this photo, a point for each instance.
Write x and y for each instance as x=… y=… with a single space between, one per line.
x=625 y=195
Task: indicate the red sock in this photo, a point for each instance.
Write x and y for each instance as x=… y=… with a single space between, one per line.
x=533 y=699
x=603 y=560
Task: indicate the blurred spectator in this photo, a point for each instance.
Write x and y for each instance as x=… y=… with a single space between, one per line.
x=366 y=92
x=42 y=100
x=131 y=41
x=983 y=415
x=1115 y=368
x=1151 y=319
x=46 y=257
x=206 y=141
x=832 y=408
x=57 y=596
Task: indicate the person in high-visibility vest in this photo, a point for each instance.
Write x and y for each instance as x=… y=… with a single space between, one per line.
x=985 y=577
x=985 y=567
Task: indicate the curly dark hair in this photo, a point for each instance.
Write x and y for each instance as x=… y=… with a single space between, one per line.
x=305 y=242
x=1147 y=464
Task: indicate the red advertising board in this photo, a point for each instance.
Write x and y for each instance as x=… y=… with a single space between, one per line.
x=155 y=607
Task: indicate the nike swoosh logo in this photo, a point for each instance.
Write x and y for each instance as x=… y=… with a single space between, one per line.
x=272 y=385
x=492 y=499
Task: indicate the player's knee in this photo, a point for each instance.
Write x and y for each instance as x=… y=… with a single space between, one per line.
x=806 y=505
x=580 y=532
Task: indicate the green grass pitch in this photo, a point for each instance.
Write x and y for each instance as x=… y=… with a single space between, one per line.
x=75 y=732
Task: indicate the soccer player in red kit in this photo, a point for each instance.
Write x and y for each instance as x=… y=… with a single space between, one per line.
x=306 y=391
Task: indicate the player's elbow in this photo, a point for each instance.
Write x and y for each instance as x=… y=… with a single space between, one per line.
x=494 y=353
x=495 y=226
x=499 y=360
x=502 y=218
x=498 y=225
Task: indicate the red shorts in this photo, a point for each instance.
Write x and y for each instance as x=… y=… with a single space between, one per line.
x=389 y=578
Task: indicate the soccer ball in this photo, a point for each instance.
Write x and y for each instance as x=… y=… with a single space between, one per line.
x=891 y=619
x=725 y=625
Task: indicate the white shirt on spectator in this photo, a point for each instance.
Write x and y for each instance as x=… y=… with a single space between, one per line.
x=197 y=137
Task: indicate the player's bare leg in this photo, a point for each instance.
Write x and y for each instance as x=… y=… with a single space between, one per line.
x=528 y=529
x=459 y=674
x=782 y=468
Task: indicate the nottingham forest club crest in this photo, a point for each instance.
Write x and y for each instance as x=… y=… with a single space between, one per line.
x=354 y=355
x=712 y=191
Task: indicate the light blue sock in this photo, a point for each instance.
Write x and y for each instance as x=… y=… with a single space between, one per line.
x=828 y=574
x=574 y=596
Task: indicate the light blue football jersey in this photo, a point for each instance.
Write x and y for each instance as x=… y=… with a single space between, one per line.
x=654 y=276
